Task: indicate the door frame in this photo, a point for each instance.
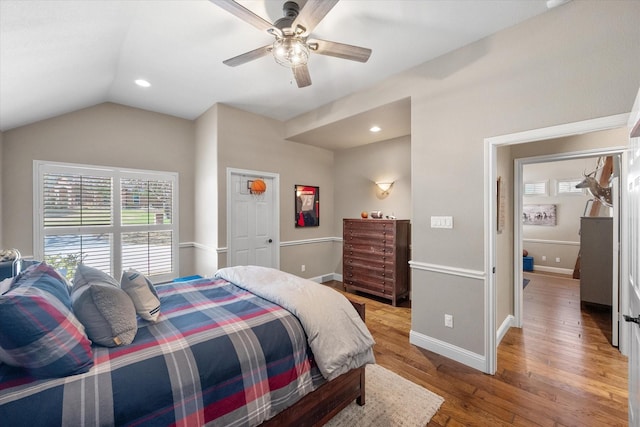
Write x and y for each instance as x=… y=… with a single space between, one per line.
x=491 y=145
x=275 y=210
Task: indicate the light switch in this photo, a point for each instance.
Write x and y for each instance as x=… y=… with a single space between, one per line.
x=441 y=222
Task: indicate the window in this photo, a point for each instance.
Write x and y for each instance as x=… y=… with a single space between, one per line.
x=112 y=219
x=538 y=188
x=568 y=186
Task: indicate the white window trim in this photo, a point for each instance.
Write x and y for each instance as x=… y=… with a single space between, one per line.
x=536 y=184
x=580 y=191
x=41 y=167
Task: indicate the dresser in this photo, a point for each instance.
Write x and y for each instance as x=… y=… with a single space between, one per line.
x=596 y=260
x=375 y=257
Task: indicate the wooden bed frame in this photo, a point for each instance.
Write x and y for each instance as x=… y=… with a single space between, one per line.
x=322 y=404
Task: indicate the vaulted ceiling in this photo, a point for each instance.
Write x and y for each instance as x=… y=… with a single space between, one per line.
x=61 y=56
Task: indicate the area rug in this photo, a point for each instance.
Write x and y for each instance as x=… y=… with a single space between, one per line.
x=390 y=400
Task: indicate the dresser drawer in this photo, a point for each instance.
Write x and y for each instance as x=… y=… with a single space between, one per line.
x=369 y=224
x=369 y=261
x=386 y=236
x=372 y=250
x=374 y=274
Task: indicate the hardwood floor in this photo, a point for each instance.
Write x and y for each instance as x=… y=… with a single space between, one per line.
x=559 y=370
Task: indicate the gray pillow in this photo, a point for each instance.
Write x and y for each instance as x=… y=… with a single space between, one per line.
x=142 y=293
x=105 y=310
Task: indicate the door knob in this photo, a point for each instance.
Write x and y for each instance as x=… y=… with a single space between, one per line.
x=631 y=319
x=270 y=241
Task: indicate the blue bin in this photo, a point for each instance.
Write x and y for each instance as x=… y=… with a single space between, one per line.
x=527 y=263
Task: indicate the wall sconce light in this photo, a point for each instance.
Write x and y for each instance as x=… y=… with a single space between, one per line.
x=384 y=187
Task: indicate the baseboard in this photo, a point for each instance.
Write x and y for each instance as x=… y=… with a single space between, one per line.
x=327 y=278
x=509 y=321
x=445 y=349
x=552 y=269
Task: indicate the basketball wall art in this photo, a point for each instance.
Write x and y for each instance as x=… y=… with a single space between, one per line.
x=539 y=215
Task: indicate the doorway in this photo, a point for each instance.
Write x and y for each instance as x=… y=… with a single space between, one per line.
x=253 y=218
x=492 y=333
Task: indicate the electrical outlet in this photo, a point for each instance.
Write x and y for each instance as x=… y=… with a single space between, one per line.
x=544 y=257
x=448 y=320
x=303 y=267
x=557 y=259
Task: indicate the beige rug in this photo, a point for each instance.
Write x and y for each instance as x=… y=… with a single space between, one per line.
x=390 y=400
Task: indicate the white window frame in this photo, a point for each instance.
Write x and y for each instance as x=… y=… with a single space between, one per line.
x=572 y=182
x=116 y=228
x=532 y=188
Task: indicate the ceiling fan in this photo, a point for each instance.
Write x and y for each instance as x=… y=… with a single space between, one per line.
x=292 y=46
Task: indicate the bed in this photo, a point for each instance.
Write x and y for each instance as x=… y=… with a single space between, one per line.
x=243 y=348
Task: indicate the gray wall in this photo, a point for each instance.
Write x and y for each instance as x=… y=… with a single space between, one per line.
x=262 y=147
x=356 y=171
x=563 y=239
x=573 y=63
x=505 y=162
x=107 y=134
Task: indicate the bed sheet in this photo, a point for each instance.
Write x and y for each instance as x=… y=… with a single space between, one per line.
x=219 y=355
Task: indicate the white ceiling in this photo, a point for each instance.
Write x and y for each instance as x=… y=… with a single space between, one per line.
x=60 y=56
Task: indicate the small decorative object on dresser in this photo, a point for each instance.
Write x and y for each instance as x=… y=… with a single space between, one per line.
x=375 y=257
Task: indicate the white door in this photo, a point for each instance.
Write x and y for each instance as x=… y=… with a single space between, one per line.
x=633 y=282
x=252 y=220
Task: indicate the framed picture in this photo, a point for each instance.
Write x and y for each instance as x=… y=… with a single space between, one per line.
x=307 y=200
x=539 y=215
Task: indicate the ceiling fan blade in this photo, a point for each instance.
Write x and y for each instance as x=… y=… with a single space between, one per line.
x=243 y=13
x=248 y=56
x=301 y=73
x=340 y=50
x=312 y=13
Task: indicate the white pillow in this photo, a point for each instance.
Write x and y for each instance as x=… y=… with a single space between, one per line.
x=142 y=293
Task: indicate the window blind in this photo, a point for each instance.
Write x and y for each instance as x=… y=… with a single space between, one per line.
x=109 y=218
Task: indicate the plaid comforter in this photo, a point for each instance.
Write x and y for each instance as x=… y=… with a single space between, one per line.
x=218 y=355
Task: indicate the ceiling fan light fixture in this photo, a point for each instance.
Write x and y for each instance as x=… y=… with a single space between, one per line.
x=290 y=52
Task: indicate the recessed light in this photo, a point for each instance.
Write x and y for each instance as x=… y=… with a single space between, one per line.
x=143 y=83
x=555 y=3
x=375 y=129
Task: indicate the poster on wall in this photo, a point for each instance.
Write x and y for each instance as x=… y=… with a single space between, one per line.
x=539 y=215
x=307 y=200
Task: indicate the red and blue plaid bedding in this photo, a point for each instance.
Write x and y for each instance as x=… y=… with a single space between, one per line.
x=218 y=355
